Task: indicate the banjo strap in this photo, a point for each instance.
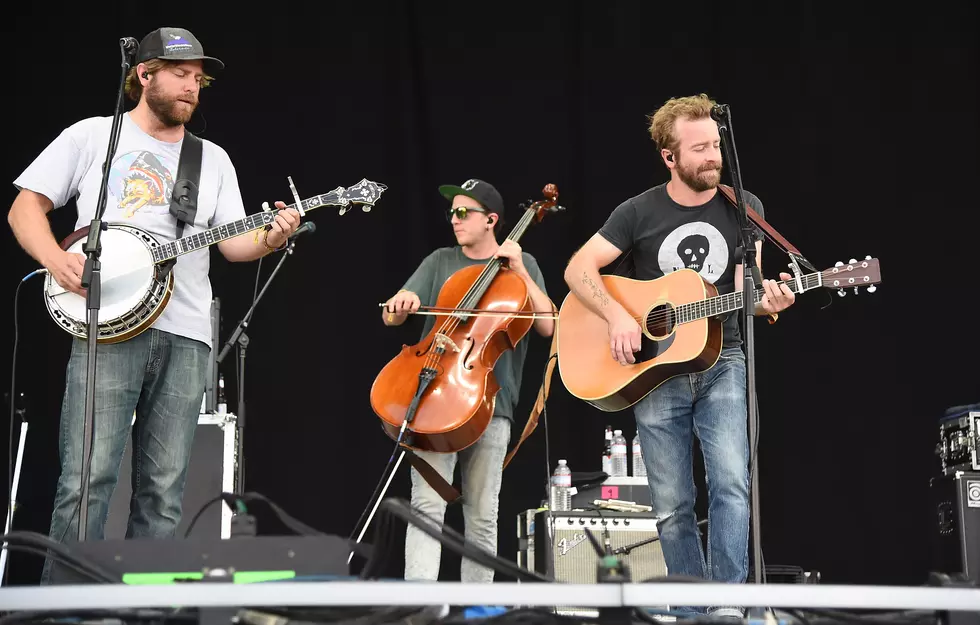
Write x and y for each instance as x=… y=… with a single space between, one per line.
x=183 y=200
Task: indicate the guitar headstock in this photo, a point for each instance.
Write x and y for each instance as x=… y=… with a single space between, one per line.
x=547 y=205
x=854 y=274
x=366 y=193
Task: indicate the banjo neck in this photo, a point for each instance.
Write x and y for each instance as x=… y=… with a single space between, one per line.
x=364 y=192
x=137 y=287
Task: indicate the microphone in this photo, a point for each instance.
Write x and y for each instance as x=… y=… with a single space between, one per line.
x=719 y=113
x=129 y=44
x=308 y=226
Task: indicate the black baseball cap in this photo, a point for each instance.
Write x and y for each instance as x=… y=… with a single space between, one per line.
x=176 y=44
x=482 y=192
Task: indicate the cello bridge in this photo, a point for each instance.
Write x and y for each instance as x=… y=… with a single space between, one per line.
x=442 y=341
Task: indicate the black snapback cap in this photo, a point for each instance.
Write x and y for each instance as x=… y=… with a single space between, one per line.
x=176 y=44
x=482 y=192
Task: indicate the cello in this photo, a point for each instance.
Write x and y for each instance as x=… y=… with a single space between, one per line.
x=442 y=389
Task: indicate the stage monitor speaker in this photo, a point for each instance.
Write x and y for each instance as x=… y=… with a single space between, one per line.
x=248 y=559
x=211 y=471
x=956 y=534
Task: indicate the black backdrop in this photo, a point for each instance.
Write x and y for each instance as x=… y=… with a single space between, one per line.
x=856 y=128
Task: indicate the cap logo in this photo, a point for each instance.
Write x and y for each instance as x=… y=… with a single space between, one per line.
x=177 y=43
x=469 y=184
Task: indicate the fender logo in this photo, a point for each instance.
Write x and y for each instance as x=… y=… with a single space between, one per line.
x=567 y=544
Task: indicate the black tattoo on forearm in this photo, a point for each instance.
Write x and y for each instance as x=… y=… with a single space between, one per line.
x=596 y=291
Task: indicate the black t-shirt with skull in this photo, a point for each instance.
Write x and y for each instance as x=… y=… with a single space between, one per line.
x=665 y=236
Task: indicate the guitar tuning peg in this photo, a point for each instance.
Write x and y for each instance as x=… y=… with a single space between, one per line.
x=852 y=261
x=868 y=257
x=872 y=289
x=838 y=264
x=856 y=291
x=265 y=206
x=841 y=292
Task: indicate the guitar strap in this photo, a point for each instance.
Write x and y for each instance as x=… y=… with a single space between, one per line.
x=444 y=488
x=532 y=419
x=430 y=475
x=183 y=199
x=774 y=236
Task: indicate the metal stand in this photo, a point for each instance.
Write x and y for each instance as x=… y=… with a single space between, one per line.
x=92 y=282
x=751 y=277
x=239 y=338
x=12 y=507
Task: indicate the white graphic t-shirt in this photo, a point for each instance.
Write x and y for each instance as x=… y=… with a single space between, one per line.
x=141 y=181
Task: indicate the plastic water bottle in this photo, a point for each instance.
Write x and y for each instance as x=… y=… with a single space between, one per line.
x=561 y=484
x=639 y=469
x=222 y=402
x=619 y=454
x=607 y=452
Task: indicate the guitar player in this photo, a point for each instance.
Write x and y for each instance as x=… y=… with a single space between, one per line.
x=686 y=223
x=160 y=374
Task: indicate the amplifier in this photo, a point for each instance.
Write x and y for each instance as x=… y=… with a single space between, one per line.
x=956 y=535
x=211 y=471
x=571 y=555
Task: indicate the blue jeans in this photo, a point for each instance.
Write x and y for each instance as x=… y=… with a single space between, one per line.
x=710 y=405
x=481 y=471
x=159 y=376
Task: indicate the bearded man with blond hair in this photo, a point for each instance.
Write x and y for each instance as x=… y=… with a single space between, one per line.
x=686 y=223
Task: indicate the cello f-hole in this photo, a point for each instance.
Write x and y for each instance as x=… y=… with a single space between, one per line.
x=425 y=351
x=468 y=351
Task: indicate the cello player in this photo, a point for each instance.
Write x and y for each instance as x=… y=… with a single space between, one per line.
x=476 y=215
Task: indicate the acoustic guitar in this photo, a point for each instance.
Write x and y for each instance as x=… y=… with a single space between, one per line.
x=680 y=316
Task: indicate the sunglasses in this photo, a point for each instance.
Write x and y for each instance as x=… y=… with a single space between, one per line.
x=461 y=212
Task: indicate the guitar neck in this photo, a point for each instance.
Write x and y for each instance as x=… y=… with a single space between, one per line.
x=233 y=229
x=729 y=302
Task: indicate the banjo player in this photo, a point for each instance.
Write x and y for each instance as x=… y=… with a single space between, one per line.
x=160 y=373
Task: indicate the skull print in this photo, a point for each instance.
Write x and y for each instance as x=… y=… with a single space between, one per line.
x=693 y=250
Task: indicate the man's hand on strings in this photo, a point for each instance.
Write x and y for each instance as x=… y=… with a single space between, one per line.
x=287 y=220
x=777 y=296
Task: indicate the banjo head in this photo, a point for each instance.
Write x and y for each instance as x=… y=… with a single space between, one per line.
x=130 y=286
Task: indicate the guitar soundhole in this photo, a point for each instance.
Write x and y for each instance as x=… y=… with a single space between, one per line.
x=661 y=321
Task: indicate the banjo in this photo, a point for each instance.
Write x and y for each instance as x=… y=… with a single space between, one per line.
x=136 y=276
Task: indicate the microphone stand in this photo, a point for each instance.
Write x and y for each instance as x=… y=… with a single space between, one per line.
x=92 y=283
x=722 y=114
x=240 y=338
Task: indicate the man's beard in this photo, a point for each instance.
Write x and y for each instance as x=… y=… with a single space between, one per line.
x=698 y=181
x=170 y=112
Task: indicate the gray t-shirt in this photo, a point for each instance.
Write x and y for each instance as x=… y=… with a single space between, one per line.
x=427 y=281
x=140 y=184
